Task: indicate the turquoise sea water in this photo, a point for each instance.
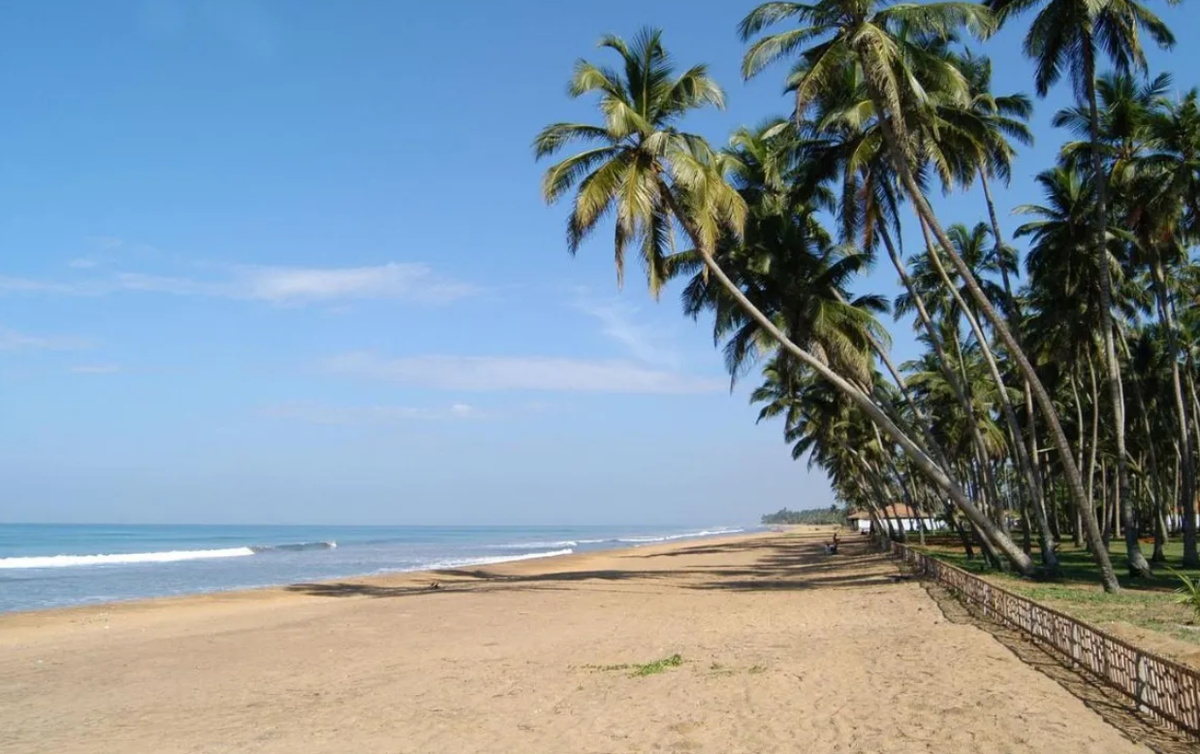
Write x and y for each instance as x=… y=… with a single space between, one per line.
x=53 y=565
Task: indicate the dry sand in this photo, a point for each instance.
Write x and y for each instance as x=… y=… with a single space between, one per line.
x=784 y=649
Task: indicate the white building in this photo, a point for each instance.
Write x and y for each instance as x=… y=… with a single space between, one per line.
x=896 y=514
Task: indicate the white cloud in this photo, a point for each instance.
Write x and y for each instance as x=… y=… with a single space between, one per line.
x=619 y=321
x=106 y=242
x=11 y=340
x=26 y=285
x=295 y=286
x=414 y=282
x=96 y=369
x=316 y=413
x=537 y=373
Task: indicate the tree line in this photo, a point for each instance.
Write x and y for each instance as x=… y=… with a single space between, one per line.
x=816 y=516
x=1058 y=385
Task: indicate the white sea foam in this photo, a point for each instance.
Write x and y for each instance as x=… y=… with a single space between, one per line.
x=463 y=562
x=63 y=561
x=540 y=545
x=296 y=547
x=669 y=537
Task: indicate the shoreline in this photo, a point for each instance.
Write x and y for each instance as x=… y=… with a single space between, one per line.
x=690 y=646
x=87 y=613
x=449 y=563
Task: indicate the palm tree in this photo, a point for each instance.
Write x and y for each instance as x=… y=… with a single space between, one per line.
x=999 y=121
x=1067 y=34
x=845 y=147
x=788 y=266
x=1168 y=222
x=891 y=44
x=649 y=175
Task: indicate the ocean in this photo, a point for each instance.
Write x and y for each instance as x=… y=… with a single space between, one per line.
x=55 y=565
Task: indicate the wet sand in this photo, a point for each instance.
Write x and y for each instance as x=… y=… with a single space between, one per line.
x=783 y=648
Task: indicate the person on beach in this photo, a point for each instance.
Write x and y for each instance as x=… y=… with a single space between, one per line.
x=831 y=548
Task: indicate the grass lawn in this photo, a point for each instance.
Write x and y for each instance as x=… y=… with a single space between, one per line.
x=1146 y=603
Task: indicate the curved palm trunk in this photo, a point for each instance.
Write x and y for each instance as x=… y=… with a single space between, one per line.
x=1014 y=312
x=900 y=161
x=1137 y=561
x=873 y=412
x=1032 y=487
x=944 y=361
x=931 y=442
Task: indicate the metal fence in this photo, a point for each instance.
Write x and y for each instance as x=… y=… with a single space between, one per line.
x=1157 y=685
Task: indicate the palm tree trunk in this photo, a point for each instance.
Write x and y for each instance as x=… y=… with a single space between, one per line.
x=1137 y=561
x=874 y=413
x=1152 y=481
x=1014 y=313
x=1091 y=489
x=1020 y=452
x=1106 y=503
x=957 y=386
x=900 y=161
x=931 y=441
x=1191 y=558
x=1076 y=534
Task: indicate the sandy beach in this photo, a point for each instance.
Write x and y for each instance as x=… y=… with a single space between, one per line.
x=782 y=648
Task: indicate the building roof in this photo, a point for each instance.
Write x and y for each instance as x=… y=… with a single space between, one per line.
x=895 y=510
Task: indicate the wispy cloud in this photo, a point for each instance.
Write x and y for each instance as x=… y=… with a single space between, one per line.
x=620 y=322
x=316 y=413
x=11 y=340
x=284 y=286
x=244 y=25
x=96 y=369
x=27 y=285
x=106 y=243
x=533 y=373
x=82 y=263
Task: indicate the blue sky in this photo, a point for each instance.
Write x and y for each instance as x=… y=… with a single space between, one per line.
x=287 y=262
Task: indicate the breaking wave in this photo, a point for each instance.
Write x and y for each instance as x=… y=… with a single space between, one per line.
x=166 y=556
x=170 y=556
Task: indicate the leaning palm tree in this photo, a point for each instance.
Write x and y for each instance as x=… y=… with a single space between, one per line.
x=1069 y=34
x=650 y=176
x=897 y=49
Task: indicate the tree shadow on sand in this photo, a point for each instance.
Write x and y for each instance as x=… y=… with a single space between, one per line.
x=783 y=565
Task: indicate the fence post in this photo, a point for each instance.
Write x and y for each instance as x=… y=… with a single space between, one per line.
x=1139 y=689
x=1075 y=650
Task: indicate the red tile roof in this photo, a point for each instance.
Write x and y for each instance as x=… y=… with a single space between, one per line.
x=896 y=510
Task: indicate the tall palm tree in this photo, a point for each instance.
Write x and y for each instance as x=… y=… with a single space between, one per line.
x=1069 y=34
x=1168 y=219
x=845 y=147
x=650 y=176
x=891 y=45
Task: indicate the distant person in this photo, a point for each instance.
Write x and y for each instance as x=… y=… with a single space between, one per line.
x=831 y=548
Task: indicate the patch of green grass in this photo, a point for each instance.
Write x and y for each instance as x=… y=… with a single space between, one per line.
x=1188 y=593
x=658 y=666
x=756 y=669
x=644 y=669
x=606 y=668
x=1150 y=604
